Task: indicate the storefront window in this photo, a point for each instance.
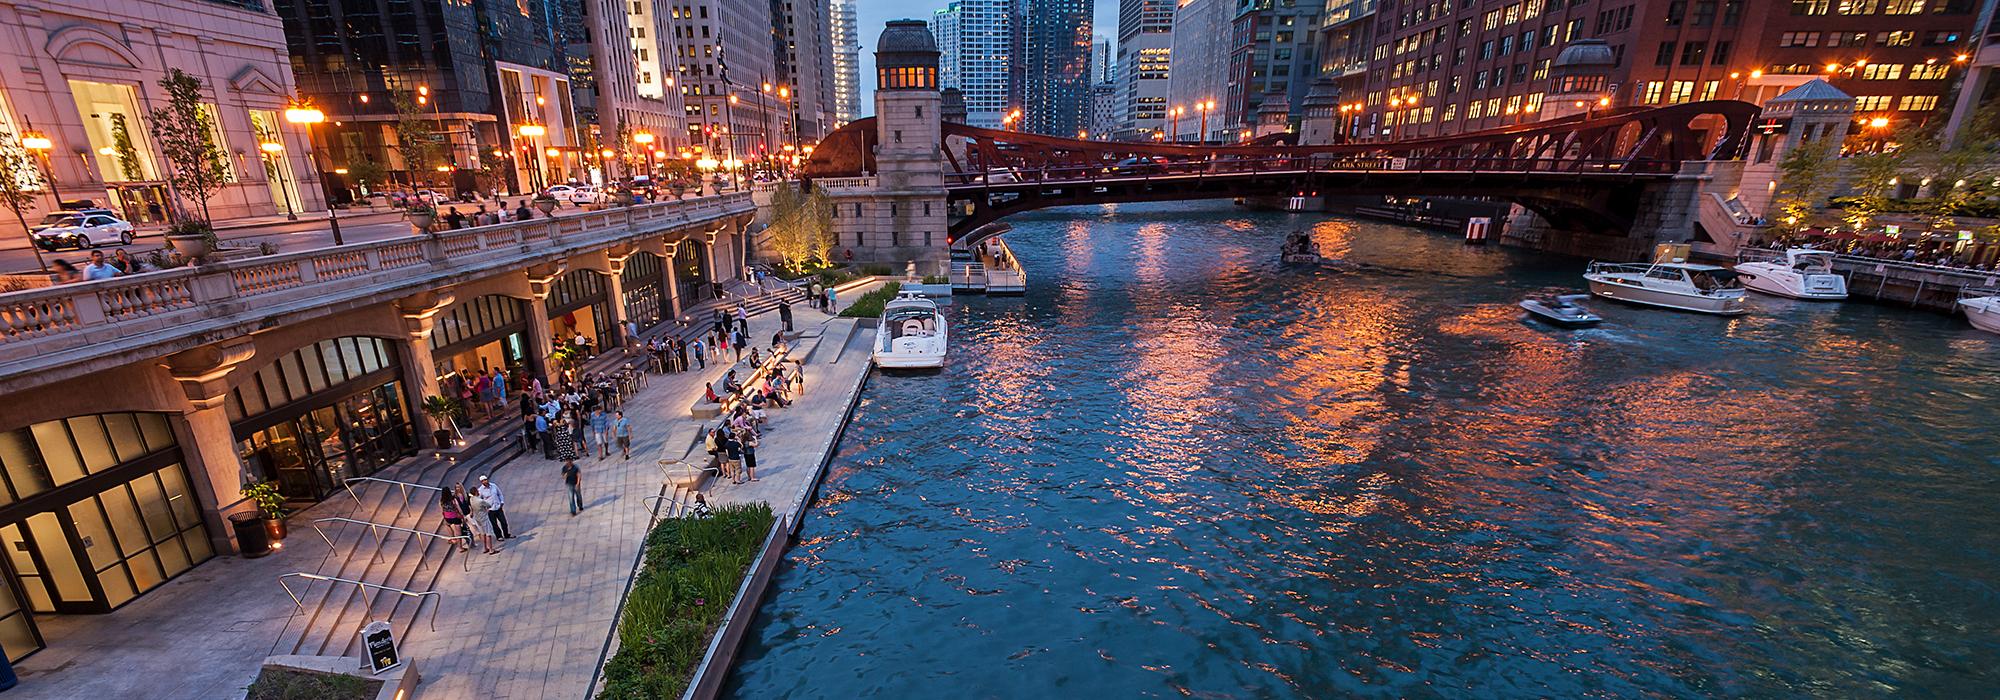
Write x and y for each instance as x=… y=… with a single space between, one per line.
x=644 y=279
x=325 y=413
x=114 y=517
x=117 y=133
x=577 y=306
x=691 y=273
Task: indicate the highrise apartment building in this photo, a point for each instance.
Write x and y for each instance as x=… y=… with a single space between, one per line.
x=1145 y=54
x=975 y=44
x=845 y=42
x=1055 y=66
x=727 y=57
x=1477 y=65
x=1271 y=57
x=1198 y=70
x=804 y=50
x=1103 y=60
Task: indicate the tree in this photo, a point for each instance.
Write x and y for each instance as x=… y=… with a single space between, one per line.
x=801 y=230
x=18 y=170
x=1962 y=173
x=187 y=141
x=416 y=136
x=1872 y=177
x=121 y=145
x=1804 y=181
x=367 y=173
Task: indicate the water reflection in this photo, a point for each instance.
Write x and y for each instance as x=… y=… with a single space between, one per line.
x=1180 y=468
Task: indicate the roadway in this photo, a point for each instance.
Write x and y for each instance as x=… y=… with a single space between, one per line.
x=309 y=232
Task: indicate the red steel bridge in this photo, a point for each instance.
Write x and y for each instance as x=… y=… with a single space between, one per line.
x=1593 y=173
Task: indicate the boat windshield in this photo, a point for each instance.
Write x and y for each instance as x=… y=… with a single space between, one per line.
x=1813 y=262
x=909 y=322
x=1709 y=280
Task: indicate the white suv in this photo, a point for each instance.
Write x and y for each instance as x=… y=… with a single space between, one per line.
x=85 y=228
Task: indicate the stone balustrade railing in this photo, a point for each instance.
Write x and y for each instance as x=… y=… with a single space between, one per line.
x=37 y=325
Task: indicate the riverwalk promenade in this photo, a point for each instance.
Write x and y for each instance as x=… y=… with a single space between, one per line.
x=528 y=622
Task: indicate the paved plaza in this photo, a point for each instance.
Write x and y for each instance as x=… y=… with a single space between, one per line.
x=528 y=622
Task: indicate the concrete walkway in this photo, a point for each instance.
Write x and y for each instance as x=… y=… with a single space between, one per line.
x=528 y=622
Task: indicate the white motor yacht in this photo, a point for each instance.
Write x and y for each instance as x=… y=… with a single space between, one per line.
x=1983 y=312
x=1674 y=285
x=1803 y=273
x=911 y=335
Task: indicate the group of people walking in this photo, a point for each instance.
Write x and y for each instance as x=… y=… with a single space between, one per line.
x=479 y=516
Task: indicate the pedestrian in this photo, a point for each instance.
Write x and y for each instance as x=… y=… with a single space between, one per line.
x=124 y=262
x=573 y=478
x=785 y=316
x=622 y=430
x=734 y=450
x=99 y=269
x=748 y=443
x=832 y=300
x=542 y=436
x=448 y=502
x=700 y=507
x=777 y=339
x=66 y=271
x=736 y=342
x=600 y=432
x=530 y=438
x=496 y=503
x=681 y=351
x=818 y=298
x=479 y=509
x=699 y=358
x=455 y=219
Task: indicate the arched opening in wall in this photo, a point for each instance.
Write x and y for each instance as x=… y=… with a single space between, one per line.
x=645 y=283
x=479 y=340
x=94 y=511
x=324 y=413
x=692 y=282
x=579 y=311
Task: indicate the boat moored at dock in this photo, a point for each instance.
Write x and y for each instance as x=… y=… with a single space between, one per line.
x=1802 y=273
x=911 y=335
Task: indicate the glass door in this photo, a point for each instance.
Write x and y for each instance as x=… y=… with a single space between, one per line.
x=280 y=455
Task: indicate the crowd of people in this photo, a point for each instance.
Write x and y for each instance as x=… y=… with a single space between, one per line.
x=1939 y=253
x=732 y=442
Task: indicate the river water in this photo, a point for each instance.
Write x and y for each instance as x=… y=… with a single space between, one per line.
x=1179 y=468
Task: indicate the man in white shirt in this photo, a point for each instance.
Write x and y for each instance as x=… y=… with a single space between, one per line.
x=497 y=517
x=98 y=269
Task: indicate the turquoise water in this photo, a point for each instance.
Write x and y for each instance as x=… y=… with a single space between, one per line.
x=1178 y=468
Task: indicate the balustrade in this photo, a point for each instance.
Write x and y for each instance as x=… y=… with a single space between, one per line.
x=188 y=295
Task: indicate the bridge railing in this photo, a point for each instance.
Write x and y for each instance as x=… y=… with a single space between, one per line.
x=1004 y=175
x=36 y=322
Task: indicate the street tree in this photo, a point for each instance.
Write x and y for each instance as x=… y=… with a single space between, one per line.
x=186 y=135
x=20 y=183
x=1804 y=182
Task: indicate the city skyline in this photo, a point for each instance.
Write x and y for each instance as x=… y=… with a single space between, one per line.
x=874 y=14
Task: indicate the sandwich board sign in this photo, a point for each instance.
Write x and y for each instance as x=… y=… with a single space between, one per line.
x=380 y=643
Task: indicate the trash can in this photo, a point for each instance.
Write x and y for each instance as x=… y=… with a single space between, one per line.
x=7 y=677
x=252 y=540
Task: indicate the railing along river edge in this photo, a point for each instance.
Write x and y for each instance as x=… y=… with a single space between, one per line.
x=38 y=321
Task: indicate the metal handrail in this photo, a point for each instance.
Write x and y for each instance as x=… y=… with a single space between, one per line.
x=348 y=483
x=301 y=605
x=373 y=530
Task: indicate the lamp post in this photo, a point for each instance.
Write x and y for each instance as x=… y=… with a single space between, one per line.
x=1203 y=108
x=645 y=141
x=272 y=152
x=306 y=115
x=531 y=132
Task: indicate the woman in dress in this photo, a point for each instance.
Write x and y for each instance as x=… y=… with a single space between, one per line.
x=475 y=511
x=454 y=515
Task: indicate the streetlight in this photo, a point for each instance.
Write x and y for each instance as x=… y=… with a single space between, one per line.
x=40 y=144
x=306 y=115
x=532 y=132
x=272 y=149
x=1203 y=108
x=645 y=141
x=1174 y=122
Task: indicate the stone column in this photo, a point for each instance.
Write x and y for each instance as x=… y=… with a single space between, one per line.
x=614 y=296
x=671 y=295
x=207 y=444
x=419 y=373
x=540 y=277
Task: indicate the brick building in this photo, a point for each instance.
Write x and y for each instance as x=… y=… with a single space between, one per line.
x=1431 y=68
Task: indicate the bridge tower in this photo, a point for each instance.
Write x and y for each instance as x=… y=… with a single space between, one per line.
x=1813 y=113
x=1580 y=78
x=900 y=216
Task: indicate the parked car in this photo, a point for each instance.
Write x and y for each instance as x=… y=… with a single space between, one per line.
x=587 y=194
x=86 y=228
x=560 y=192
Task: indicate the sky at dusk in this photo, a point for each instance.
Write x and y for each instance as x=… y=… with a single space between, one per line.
x=872 y=14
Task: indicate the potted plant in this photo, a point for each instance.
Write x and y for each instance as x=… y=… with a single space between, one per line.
x=422 y=216
x=545 y=202
x=443 y=410
x=193 y=239
x=270 y=504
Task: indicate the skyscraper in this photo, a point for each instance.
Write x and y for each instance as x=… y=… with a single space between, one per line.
x=1270 y=57
x=846 y=45
x=728 y=54
x=1200 y=67
x=805 y=66
x=1055 y=66
x=975 y=49
x=1103 y=60
x=1145 y=47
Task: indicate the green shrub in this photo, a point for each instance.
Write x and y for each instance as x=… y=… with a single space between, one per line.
x=870 y=304
x=691 y=572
